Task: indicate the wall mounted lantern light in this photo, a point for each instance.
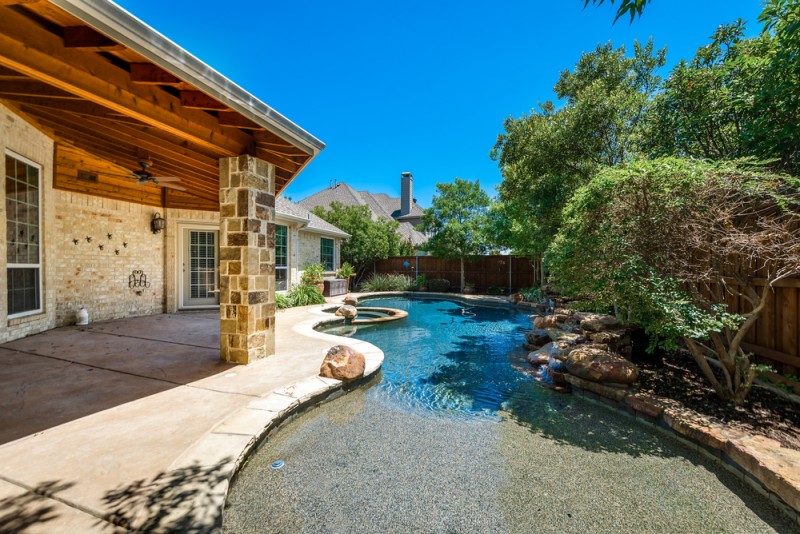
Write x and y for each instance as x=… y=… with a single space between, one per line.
x=158 y=223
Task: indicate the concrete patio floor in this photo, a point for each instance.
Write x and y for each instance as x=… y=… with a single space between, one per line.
x=108 y=422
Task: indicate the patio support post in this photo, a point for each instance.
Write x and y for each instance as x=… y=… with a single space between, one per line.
x=247 y=259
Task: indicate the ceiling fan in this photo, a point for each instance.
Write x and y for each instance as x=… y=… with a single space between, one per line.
x=144 y=176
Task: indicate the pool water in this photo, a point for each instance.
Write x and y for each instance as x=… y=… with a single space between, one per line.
x=455 y=436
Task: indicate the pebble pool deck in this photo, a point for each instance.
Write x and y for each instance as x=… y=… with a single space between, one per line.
x=451 y=438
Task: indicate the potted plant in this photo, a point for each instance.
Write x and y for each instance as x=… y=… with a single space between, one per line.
x=346 y=272
x=469 y=288
x=422 y=282
x=312 y=276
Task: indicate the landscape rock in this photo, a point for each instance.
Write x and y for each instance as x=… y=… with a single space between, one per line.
x=617 y=340
x=343 y=363
x=650 y=405
x=347 y=311
x=541 y=356
x=544 y=322
x=693 y=426
x=556 y=334
x=351 y=301
x=537 y=338
x=598 y=365
x=516 y=298
x=599 y=323
x=778 y=468
x=610 y=392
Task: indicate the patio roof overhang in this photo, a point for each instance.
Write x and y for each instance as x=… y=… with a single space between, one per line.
x=112 y=91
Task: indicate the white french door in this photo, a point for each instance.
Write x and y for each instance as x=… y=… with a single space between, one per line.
x=200 y=267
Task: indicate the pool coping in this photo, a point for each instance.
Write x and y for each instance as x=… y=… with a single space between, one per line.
x=230 y=443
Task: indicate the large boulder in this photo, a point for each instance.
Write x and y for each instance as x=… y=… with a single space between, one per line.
x=593 y=322
x=343 y=363
x=599 y=365
x=516 y=298
x=347 y=311
x=618 y=341
x=537 y=338
x=541 y=356
x=544 y=322
x=351 y=301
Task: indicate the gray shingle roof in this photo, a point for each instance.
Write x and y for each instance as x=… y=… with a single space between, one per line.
x=380 y=204
x=287 y=207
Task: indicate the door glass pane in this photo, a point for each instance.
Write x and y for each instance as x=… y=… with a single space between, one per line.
x=202 y=264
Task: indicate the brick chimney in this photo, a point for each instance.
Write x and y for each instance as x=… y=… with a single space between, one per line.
x=406 y=193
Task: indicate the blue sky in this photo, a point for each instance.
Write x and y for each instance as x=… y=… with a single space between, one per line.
x=414 y=86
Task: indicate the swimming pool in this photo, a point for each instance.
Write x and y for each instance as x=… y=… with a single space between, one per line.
x=454 y=436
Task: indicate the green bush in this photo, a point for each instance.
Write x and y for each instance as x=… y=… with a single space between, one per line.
x=387 y=282
x=346 y=271
x=532 y=294
x=439 y=285
x=312 y=274
x=282 y=301
x=303 y=295
x=495 y=290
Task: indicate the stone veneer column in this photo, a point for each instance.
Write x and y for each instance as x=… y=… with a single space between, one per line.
x=247 y=259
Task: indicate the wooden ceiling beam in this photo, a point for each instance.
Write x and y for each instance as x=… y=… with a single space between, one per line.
x=125 y=156
x=35 y=89
x=65 y=106
x=89 y=39
x=4 y=3
x=29 y=49
x=200 y=100
x=147 y=73
x=231 y=119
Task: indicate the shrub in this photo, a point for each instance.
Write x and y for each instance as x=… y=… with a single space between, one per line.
x=345 y=271
x=439 y=285
x=312 y=275
x=387 y=282
x=422 y=281
x=304 y=295
x=496 y=290
x=282 y=301
x=532 y=294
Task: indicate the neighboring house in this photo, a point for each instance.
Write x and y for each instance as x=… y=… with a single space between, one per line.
x=88 y=93
x=302 y=238
x=404 y=210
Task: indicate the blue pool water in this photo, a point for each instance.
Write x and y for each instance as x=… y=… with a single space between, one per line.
x=451 y=358
x=454 y=435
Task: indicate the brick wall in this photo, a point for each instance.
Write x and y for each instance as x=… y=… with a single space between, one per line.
x=309 y=249
x=24 y=140
x=98 y=278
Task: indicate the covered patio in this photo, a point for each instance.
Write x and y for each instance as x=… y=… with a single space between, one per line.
x=127 y=158
x=137 y=423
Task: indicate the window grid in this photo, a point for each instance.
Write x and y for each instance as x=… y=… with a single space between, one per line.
x=326 y=253
x=23 y=252
x=202 y=268
x=281 y=258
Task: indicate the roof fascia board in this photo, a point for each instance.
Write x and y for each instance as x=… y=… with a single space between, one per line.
x=120 y=25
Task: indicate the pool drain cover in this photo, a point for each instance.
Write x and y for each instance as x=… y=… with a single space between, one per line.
x=277 y=464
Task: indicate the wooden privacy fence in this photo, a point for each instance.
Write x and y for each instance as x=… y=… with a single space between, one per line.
x=774 y=339
x=503 y=272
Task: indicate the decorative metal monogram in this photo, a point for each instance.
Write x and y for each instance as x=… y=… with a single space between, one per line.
x=138 y=281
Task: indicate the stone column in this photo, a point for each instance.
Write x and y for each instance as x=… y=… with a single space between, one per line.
x=247 y=259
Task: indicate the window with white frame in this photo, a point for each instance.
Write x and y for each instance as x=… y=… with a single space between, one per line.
x=23 y=236
x=281 y=257
x=326 y=253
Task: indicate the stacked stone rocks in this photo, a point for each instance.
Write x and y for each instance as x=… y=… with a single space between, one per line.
x=586 y=350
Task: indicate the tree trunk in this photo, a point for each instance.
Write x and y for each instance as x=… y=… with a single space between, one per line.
x=462 y=274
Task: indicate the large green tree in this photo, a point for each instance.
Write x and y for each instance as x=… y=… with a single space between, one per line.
x=458 y=221
x=671 y=243
x=370 y=240
x=547 y=155
x=626 y=7
x=738 y=97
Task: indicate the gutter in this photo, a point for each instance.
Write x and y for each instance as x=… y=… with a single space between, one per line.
x=129 y=31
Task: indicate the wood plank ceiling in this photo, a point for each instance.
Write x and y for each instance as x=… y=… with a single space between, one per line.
x=108 y=107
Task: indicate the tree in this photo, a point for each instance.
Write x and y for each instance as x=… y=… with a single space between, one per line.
x=547 y=155
x=458 y=220
x=632 y=7
x=672 y=242
x=370 y=240
x=737 y=97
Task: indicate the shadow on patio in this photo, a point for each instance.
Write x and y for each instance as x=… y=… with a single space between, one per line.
x=71 y=372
